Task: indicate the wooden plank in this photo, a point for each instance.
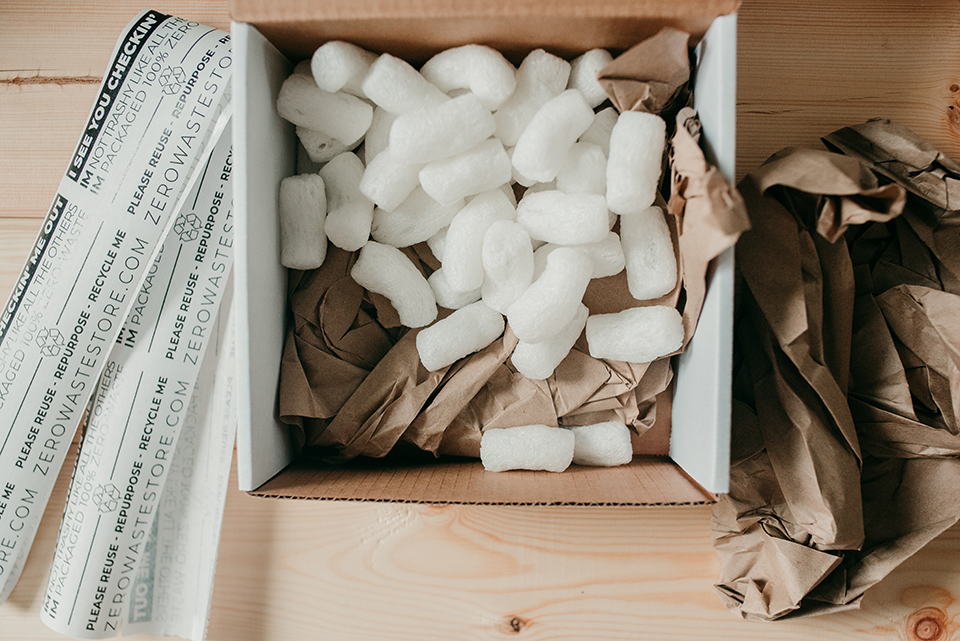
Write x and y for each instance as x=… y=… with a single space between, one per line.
x=806 y=69
x=39 y=131
x=384 y=571
x=62 y=43
x=52 y=60
x=16 y=239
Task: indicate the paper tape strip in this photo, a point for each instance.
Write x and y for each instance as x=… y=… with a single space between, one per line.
x=137 y=417
x=163 y=102
x=173 y=589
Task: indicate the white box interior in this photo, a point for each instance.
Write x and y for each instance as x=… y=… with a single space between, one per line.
x=265 y=153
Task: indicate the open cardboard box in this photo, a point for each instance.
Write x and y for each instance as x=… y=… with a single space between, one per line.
x=681 y=461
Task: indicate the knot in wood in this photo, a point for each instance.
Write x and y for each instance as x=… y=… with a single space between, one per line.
x=926 y=624
x=514 y=625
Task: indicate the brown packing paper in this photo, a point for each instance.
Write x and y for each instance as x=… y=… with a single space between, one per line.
x=652 y=76
x=710 y=210
x=383 y=397
x=894 y=151
x=845 y=446
x=330 y=348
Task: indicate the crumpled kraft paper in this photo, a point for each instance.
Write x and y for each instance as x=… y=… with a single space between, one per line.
x=845 y=451
x=352 y=382
x=651 y=76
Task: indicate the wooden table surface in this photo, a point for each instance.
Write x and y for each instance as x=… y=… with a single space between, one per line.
x=305 y=570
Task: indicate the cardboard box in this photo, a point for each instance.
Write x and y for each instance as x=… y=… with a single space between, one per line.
x=681 y=463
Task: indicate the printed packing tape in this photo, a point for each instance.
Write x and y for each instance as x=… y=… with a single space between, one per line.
x=173 y=588
x=138 y=413
x=150 y=165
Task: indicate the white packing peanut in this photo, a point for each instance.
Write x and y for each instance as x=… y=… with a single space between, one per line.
x=599 y=132
x=482 y=168
x=415 y=220
x=585 y=171
x=438 y=242
x=607 y=255
x=302 y=209
x=536 y=188
x=604 y=444
x=388 y=181
x=446 y=296
x=553 y=299
x=564 y=219
x=542 y=148
x=539 y=360
x=397 y=87
x=583 y=75
x=465 y=331
x=319 y=146
x=476 y=67
x=648 y=250
x=507 y=256
x=516 y=175
x=462 y=253
x=445 y=130
x=541 y=76
x=635 y=335
x=633 y=165
x=378 y=136
x=338 y=115
x=340 y=65
x=526 y=447
x=386 y=270
x=303 y=68
x=540 y=255
x=306 y=164
x=349 y=212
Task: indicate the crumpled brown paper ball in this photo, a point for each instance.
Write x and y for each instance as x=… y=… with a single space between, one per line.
x=845 y=450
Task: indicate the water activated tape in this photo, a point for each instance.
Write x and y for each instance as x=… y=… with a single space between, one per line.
x=173 y=588
x=138 y=413
x=160 y=109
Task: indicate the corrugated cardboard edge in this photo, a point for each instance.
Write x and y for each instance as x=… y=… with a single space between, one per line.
x=513 y=28
x=260 y=11
x=647 y=481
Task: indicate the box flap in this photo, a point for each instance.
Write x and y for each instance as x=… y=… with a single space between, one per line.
x=564 y=27
x=261 y=11
x=704 y=372
x=264 y=155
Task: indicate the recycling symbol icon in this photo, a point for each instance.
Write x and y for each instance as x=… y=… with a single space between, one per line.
x=106 y=497
x=187 y=226
x=172 y=79
x=49 y=340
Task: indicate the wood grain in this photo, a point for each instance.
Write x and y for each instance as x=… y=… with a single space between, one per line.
x=358 y=571
x=68 y=42
x=355 y=571
x=39 y=131
x=52 y=57
x=809 y=68
x=455 y=572
x=16 y=239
